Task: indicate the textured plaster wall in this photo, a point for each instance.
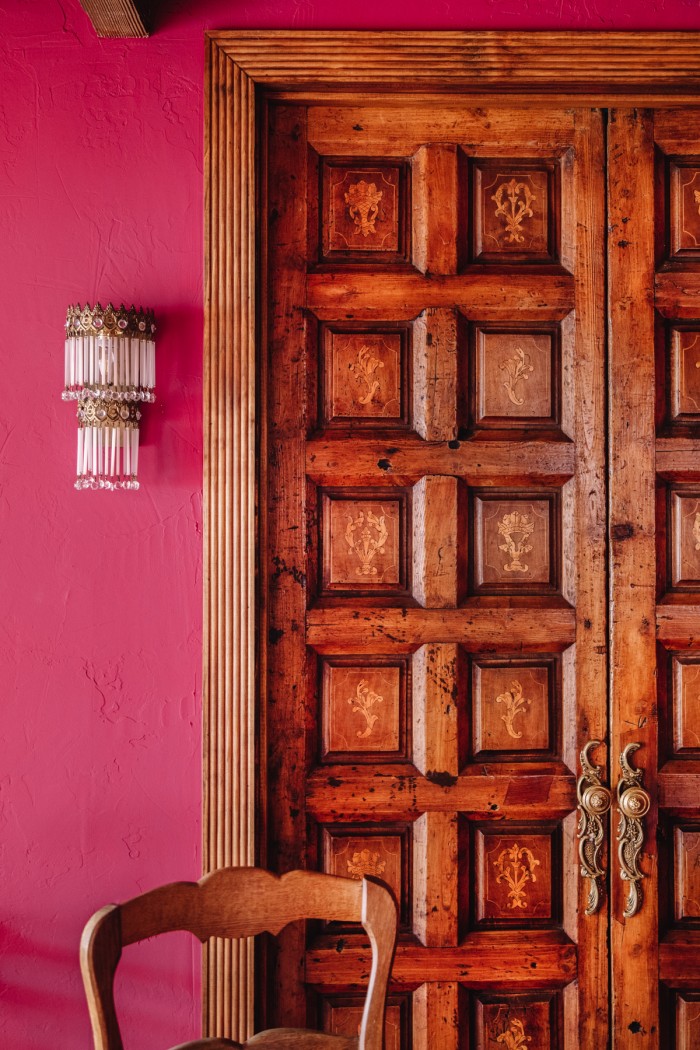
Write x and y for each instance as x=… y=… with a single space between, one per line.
x=100 y=594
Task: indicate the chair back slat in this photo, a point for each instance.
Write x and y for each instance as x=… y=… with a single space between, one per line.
x=234 y=903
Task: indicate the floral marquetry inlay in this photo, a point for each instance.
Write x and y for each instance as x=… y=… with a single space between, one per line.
x=516 y=866
x=514 y=876
x=515 y=1036
x=366 y=536
x=516 y=542
x=365 y=862
x=512 y=703
x=362 y=703
x=515 y=377
x=362 y=709
x=364 y=377
x=515 y=704
x=513 y=204
x=363 y=211
x=516 y=529
x=363 y=544
x=365 y=369
x=351 y=853
x=362 y=199
x=517 y=369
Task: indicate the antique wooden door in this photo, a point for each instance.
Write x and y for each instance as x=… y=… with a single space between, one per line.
x=434 y=509
x=467 y=401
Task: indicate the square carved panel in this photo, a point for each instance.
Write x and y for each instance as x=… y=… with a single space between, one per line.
x=684 y=539
x=516 y=1022
x=514 y=211
x=514 y=703
x=687 y=1021
x=364 y=211
x=365 y=376
x=515 y=376
x=353 y=852
x=684 y=352
x=685 y=711
x=363 y=709
x=516 y=542
x=364 y=541
x=342 y=1015
x=686 y=848
x=684 y=217
x=515 y=875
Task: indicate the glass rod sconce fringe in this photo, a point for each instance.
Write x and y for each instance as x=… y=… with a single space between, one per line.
x=110 y=369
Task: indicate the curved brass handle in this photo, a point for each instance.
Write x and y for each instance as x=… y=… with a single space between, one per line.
x=594 y=802
x=633 y=803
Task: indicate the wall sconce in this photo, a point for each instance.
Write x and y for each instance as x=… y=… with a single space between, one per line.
x=110 y=369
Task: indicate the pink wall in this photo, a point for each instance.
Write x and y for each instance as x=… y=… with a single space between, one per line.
x=100 y=636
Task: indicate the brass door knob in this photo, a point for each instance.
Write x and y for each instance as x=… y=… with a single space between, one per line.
x=594 y=802
x=634 y=803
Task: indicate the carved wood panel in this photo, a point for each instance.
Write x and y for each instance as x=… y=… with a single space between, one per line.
x=342 y=1015
x=515 y=873
x=441 y=472
x=365 y=542
x=365 y=376
x=364 y=210
x=514 y=211
x=363 y=709
x=517 y=1022
x=515 y=704
x=515 y=542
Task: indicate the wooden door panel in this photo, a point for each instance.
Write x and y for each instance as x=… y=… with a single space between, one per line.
x=676 y=227
x=434 y=532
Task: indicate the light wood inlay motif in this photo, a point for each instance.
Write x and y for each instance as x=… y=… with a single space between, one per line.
x=514 y=1038
x=364 y=376
x=362 y=210
x=510 y=704
x=353 y=855
x=515 y=377
x=361 y=708
x=516 y=867
x=362 y=545
x=512 y=213
x=686 y=703
x=515 y=1023
x=513 y=877
x=514 y=204
x=513 y=543
x=687 y=873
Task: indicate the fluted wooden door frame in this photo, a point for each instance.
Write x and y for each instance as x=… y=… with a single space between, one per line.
x=600 y=69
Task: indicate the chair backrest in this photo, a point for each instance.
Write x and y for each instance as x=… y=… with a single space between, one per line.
x=237 y=902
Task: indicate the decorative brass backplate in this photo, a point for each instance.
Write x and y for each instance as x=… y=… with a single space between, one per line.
x=633 y=803
x=594 y=802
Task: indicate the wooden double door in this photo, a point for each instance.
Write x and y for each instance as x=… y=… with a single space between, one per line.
x=480 y=555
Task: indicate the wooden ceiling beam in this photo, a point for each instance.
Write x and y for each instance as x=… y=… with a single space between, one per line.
x=114 y=18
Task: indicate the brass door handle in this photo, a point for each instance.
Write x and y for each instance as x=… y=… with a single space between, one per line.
x=633 y=803
x=594 y=802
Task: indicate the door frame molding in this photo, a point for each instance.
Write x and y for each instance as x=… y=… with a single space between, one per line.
x=597 y=68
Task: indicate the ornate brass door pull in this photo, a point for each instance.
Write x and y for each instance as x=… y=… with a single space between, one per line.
x=633 y=803
x=594 y=802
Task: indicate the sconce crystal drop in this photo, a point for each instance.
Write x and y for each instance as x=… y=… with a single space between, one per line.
x=110 y=370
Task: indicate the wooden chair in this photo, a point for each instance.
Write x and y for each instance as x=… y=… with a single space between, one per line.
x=241 y=902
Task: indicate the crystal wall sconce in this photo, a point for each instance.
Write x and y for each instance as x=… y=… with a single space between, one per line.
x=110 y=370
